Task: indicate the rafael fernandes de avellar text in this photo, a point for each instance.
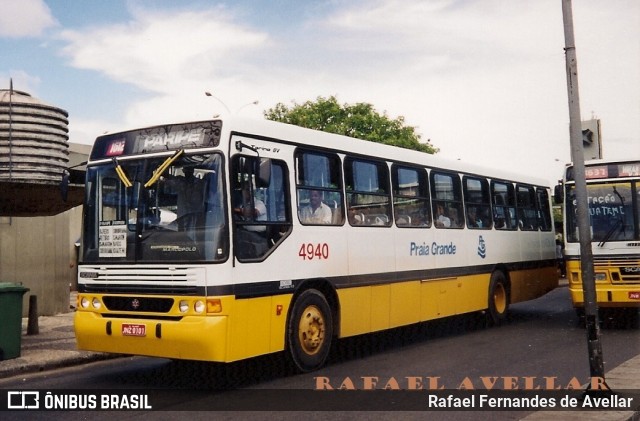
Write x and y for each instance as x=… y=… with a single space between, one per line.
x=467 y=383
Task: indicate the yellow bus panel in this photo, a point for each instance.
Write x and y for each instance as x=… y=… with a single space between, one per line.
x=380 y=307
x=245 y=328
x=405 y=303
x=192 y=338
x=355 y=310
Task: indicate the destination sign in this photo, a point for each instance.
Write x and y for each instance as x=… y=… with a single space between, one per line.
x=629 y=170
x=614 y=170
x=158 y=139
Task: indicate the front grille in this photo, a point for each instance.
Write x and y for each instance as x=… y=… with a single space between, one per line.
x=142 y=280
x=138 y=304
x=141 y=289
x=623 y=269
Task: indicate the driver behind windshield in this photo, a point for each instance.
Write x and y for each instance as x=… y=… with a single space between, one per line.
x=190 y=197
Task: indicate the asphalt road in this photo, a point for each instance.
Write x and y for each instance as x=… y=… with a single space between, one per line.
x=541 y=346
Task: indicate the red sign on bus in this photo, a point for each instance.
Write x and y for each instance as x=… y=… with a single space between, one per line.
x=116 y=148
x=600 y=171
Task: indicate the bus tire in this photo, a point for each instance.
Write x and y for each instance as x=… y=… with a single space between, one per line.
x=310 y=331
x=498 y=298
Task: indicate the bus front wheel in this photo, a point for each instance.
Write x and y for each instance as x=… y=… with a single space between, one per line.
x=498 y=298
x=310 y=331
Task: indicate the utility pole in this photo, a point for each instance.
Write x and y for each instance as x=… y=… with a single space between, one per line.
x=592 y=324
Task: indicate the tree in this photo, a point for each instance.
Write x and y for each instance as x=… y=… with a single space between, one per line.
x=557 y=216
x=360 y=120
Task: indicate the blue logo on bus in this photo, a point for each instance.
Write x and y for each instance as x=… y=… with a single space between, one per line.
x=482 y=248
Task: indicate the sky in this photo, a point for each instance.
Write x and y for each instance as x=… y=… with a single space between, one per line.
x=483 y=80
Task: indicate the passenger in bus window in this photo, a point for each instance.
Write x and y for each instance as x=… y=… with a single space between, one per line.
x=403 y=220
x=441 y=220
x=317 y=212
x=420 y=217
x=190 y=197
x=472 y=219
x=453 y=217
x=251 y=210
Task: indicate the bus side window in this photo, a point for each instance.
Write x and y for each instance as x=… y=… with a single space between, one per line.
x=544 y=209
x=261 y=213
x=319 y=188
x=504 y=211
x=527 y=209
x=410 y=197
x=368 y=196
x=446 y=191
x=477 y=202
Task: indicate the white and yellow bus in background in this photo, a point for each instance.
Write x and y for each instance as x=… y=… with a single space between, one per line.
x=613 y=194
x=228 y=239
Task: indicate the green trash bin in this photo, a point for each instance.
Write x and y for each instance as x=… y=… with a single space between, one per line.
x=10 y=319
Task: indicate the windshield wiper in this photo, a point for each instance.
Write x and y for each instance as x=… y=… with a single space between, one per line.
x=619 y=223
x=121 y=174
x=609 y=234
x=163 y=167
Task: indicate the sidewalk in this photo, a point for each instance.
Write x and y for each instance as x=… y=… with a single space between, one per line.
x=55 y=347
x=626 y=376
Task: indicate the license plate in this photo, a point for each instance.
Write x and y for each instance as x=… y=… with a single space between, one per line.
x=131 y=329
x=634 y=295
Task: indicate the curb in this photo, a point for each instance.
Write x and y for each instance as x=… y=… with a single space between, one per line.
x=18 y=366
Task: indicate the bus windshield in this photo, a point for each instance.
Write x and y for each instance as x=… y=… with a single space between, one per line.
x=611 y=212
x=156 y=209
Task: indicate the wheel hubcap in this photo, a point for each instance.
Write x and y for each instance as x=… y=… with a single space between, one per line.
x=500 y=298
x=311 y=330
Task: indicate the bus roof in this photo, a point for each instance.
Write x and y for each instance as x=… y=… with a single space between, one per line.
x=606 y=168
x=262 y=128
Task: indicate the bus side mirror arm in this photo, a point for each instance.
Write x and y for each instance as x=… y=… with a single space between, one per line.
x=262 y=166
x=240 y=145
x=64 y=182
x=64 y=185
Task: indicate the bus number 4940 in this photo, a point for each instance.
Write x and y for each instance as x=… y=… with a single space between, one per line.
x=310 y=251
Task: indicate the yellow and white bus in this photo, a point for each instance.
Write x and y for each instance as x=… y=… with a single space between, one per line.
x=225 y=240
x=613 y=189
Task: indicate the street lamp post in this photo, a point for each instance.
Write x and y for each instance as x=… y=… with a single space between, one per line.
x=594 y=346
x=207 y=93
x=246 y=105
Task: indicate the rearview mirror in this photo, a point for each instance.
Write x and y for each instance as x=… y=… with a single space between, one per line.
x=557 y=194
x=135 y=197
x=263 y=172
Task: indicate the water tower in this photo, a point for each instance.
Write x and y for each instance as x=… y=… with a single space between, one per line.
x=33 y=154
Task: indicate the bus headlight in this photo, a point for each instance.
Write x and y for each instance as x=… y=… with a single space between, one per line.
x=183 y=306
x=198 y=306
x=96 y=303
x=84 y=302
x=601 y=277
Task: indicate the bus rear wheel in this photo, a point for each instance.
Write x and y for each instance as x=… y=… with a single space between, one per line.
x=498 y=298
x=310 y=331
